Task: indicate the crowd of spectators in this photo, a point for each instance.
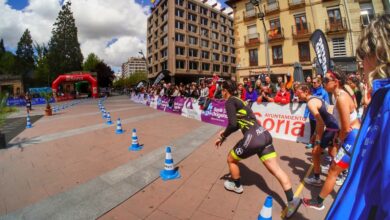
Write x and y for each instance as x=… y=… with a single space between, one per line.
x=253 y=90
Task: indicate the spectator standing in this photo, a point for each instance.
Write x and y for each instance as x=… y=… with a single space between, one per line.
x=251 y=96
x=282 y=96
x=241 y=91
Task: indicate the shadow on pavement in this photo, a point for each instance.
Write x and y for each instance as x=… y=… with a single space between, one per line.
x=248 y=178
x=299 y=167
x=18 y=142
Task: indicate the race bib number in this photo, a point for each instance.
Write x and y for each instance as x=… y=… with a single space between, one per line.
x=340 y=154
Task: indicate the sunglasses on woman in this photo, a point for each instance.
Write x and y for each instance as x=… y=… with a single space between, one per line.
x=326 y=80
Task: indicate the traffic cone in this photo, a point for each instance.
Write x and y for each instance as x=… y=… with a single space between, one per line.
x=135 y=146
x=118 y=127
x=109 y=122
x=104 y=113
x=169 y=172
x=266 y=211
x=28 y=125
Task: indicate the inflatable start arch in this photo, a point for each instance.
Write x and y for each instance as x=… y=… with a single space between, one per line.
x=76 y=77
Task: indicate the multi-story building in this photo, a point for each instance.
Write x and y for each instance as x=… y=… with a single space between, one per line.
x=289 y=25
x=190 y=39
x=132 y=65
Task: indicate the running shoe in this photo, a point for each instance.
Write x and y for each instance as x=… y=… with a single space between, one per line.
x=325 y=169
x=313 y=203
x=340 y=180
x=293 y=206
x=313 y=181
x=309 y=146
x=231 y=186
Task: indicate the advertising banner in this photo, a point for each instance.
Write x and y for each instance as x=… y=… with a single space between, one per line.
x=321 y=48
x=191 y=109
x=215 y=113
x=283 y=121
x=162 y=103
x=178 y=105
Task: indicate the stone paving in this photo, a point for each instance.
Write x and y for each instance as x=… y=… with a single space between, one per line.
x=73 y=166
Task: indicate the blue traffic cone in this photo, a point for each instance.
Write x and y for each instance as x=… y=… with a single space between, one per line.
x=266 y=211
x=109 y=122
x=28 y=125
x=104 y=113
x=169 y=172
x=118 y=127
x=135 y=146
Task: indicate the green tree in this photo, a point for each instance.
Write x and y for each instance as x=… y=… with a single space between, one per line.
x=2 y=48
x=64 y=48
x=137 y=76
x=105 y=75
x=7 y=63
x=25 y=58
x=42 y=75
x=91 y=62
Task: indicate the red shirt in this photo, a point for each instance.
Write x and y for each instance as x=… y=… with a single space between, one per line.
x=282 y=98
x=212 y=91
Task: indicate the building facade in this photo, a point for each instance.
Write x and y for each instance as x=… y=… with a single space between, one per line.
x=289 y=25
x=132 y=65
x=190 y=39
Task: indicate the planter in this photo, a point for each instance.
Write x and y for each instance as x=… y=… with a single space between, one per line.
x=48 y=112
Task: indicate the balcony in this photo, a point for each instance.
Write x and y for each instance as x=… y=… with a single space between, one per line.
x=271 y=8
x=294 y=4
x=336 y=26
x=252 y=40
x=249 y=15
x=275 y=35
x=300 y=32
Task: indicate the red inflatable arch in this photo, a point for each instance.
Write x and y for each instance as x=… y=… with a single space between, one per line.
x=76 y=77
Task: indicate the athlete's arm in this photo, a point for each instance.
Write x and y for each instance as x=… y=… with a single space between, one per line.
x=313 y=106
x=343 y=106
x=232 y=118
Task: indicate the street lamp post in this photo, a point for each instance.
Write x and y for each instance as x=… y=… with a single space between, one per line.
x=146 y=62
x=261 y=16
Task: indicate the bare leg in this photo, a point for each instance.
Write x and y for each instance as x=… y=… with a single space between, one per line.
x=330 y=181
x=316 y=152
x=273 y=167
x=233 y=167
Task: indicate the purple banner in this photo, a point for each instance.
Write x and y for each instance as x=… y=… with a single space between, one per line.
x=162 y=103
x=178 y=105
x=215 y=113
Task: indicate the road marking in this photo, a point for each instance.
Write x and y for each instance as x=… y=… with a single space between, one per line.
x=299 y=189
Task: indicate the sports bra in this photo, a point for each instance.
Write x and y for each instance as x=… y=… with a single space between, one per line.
x=352 y=116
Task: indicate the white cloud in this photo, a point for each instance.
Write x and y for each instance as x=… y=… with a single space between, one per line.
x=98 y=22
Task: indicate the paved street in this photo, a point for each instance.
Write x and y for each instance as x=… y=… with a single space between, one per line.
x=73 y=166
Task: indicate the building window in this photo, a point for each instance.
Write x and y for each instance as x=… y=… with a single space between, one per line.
x=164 y=65
x=192 y=40
x=179 y=25
x=214 y=35
x=253 y=58
x=204 y=43
x=179 y=2
x=193 y=53
x=156 y=45
x=193 y=65
x=164 y=28
x=180 y=64
x=225 y=48
x=304 y=51
x=214 y=25
x=334 y=16
x=233 y=69
x=252 y=32
x=156 y=56
x=164 y=53
x=205 y=54
x=204 y=21
x=179 y=37
x=215 y=56
x=225 y=58
x=192 y=6
x=191 y=17
x=232 y=41
x=274 y=24
x=164 y=17
x=232 y=59
x=179 y=13
x=216 y=67
x=301 y=24
x=204 y=32
x=203 y=11
x=192 y=28
x=213 y=15
x=367 y=13
x=232 y=50
x=180 y=51
x=277 y=54
x=231 y=31
x=224 y=38
x=215 y=46
x=206 y=66
x=225 y=69
x=223 y=19
x=164 y=41
x=250 y=10
x=339 y=49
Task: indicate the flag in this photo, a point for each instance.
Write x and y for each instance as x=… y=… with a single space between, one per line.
x=321 y=48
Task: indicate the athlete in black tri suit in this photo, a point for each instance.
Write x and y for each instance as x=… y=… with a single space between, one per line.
x=325 y=131
x=257 y=140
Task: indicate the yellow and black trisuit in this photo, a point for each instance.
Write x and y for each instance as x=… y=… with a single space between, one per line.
x=257 y=140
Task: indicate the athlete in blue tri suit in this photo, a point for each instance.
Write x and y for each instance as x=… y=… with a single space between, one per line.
x=346 y=115
x=257 y=140
x=325 y=131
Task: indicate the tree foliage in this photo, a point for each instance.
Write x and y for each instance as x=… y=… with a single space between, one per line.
x=25 y=58
x=131 y=80
x=105 y=75
x=91 y=62
x=7 y=63
x=2 y=48
x=42 y=76
x=64 y=48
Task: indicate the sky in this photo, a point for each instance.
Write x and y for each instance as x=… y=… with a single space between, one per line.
x=114 y=30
